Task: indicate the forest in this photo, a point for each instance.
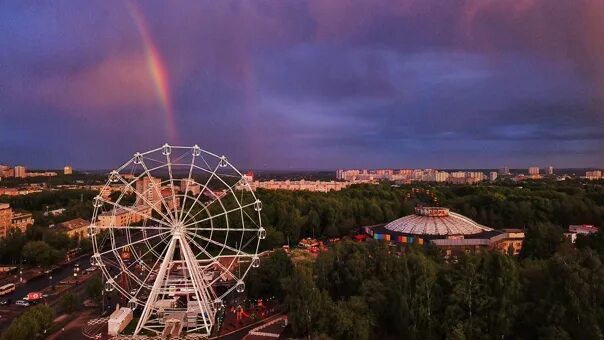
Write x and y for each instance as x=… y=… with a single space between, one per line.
x=371 y=291
x=293 y=215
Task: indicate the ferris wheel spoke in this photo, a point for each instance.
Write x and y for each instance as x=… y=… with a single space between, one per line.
x=152 y=269
x=168 y=162
x=133 y=243
x=157 y=191
x=115 y=205
x=141 y=258
x=184 y=200
x=229 y=188
x=238 y=251
x=221 y=214
x=139 y=227
x=202 y=249
x=205 y=186
x=222 y=229
x=163 y=239
x=140 y=195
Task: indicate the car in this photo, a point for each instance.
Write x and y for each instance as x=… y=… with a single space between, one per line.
x=91 y=269
x=3 y=302
x=133 y=291
x=22 y=303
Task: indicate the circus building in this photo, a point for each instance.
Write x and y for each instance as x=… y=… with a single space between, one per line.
x=449 y=231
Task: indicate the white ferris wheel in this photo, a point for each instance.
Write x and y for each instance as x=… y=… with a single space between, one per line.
x=174 y=231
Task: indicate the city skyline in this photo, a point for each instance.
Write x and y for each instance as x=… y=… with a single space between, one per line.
x=305 y=85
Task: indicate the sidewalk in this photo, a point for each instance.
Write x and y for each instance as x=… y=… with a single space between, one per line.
x=73 y=329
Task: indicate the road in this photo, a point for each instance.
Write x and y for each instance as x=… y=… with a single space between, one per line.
x=39 y=283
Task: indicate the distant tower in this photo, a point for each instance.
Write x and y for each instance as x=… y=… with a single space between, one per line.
x=550 y=170
x=534 y=170
x=504 y=171
x=67 y=170
x=20 y=171
x=492 y=176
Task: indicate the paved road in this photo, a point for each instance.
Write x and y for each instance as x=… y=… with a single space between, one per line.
x=41 y=282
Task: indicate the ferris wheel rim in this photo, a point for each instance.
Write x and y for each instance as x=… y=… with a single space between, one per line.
x=150 y=241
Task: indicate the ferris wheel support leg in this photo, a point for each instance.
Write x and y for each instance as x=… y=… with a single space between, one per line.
x=202 y=291
x=149 y=305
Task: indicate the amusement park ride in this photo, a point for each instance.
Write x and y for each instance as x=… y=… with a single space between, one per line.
x=174 y=231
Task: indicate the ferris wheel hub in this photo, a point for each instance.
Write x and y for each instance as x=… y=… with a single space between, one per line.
x=178 y=228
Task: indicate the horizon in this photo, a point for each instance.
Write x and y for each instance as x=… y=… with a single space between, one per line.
x=309 y=84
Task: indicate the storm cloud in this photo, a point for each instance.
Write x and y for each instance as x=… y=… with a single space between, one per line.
x=307 y=84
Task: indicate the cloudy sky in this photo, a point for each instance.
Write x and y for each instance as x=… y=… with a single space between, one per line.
x=304 y=84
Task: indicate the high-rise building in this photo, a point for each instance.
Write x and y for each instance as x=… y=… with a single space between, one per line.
x=149 y=192
x=550 y=170
x=596 y=174
x=492 y=176
x=534 y=170
x=67 y=170
x=504 y=171
x=20 y=171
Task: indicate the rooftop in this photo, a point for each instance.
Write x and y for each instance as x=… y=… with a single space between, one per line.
x=436 y=221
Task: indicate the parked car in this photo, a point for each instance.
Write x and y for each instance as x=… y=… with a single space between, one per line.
x=3 y=302
x=22 y=303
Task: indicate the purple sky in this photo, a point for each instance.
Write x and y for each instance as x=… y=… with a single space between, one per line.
x=307 y=84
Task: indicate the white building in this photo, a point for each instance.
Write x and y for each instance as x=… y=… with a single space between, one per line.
x=550 y=170
x=492 y=176
x=119 y=320
x=20 y=171
x=591 y=175
x=124 y=217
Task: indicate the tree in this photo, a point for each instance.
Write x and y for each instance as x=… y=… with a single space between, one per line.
x=94 y=289
x=542 y=240
x=12 y=245
x=306 y=304
x=267 y=280
x=39 y=252
x=30 y=325
x=69 y=302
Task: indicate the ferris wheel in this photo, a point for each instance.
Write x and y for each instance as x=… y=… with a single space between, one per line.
x=174 y=231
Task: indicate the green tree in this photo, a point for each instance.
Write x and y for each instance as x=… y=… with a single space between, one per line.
x=94 y=289
x=542 y=240
x=305 y=303
x=69 y=302
x=39 y=252
x=267 y=280
x=29 y=325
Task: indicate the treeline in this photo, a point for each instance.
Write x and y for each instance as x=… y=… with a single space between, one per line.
x=290 y=215
x=528 y=203
x=39 y=244
x=370 y=291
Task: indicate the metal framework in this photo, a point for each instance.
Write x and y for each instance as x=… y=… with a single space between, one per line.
x=174 y=231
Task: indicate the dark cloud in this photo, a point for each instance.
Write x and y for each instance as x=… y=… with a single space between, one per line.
x=307 y=84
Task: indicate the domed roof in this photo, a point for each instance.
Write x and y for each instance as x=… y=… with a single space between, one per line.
x=435 y=221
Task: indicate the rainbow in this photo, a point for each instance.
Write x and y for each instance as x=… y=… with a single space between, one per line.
x=157 y=70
